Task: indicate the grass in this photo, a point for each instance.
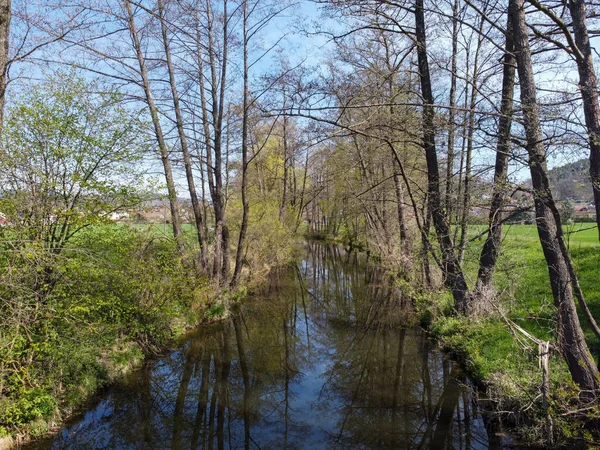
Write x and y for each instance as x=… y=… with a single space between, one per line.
x=488 y=349
x=522 y=275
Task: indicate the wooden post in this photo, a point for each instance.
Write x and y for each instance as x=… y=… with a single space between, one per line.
x=544 y=355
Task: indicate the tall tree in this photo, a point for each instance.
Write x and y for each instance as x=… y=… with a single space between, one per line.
x=158 y=132
x=491 y=247
x=180 y=124
x=570 y=335
x=245 y=112
x=453 y=274
x=5 y=17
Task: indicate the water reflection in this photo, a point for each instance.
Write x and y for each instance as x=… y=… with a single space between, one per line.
x=316 y=361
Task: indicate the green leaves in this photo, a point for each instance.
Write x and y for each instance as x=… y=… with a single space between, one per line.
x=73 y=156
x=31 y=404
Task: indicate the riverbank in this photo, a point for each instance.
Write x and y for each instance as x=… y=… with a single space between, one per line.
x=124 y=294
x=492 y=356
x=499 y=357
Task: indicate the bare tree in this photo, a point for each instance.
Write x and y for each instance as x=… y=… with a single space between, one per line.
x=5 y=16
x=245 y=111
x=160 y=138
x=491 y=247
x=179 y=120
x=570 y=335
x=453 y=274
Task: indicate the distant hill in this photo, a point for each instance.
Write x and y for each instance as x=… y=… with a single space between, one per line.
x=572 y=181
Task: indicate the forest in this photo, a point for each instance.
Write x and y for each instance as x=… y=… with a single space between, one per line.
x=163 y=160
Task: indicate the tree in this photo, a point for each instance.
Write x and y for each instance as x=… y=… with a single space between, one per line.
x=158 y=131
x=187 y=159
x=578 y=47
x=491 y=247
x=70 y=159
x=570 y=335
x=5 y=16
x=453 y=274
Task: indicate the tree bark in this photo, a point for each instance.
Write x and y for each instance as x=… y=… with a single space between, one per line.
x=162 y=146
x=570 y=335
x=187 y=160
x=491 y=247
x=453 y=274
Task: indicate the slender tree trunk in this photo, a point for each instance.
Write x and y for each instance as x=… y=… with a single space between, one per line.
x=401 y=215
x=425 y=247
x=453 y=273
x=466 y=207
x=187 y=160
x=399 y=191
x=164 y=152
x=284 y=197
x=245 y=205
x=570 y=335
x=588 y=85
x=5 y=16
x=463 y=148
x=302 y=192
x=222 y=224
x=452 y=112
x=491 y=247
x=215 y=166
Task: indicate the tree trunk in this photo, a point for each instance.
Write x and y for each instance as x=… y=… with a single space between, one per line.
x=453 y=274
x=588 y=85
x=466 y=207
x=491 y=247
x=570 y=335
x=302 y=192
x=215 y=171
x=187 y=160
x=401 y=215
x=284 y=197
x=245 y=205
x=452 y=112
x=164 y=153
x=5 y=16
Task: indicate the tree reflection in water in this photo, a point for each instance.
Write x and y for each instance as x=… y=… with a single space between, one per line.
x=321 y=359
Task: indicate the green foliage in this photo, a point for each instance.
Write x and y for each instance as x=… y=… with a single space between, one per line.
x=70 y=158
x=215 y=311
x=490 y=352
x=116 y=284
x=30 y=404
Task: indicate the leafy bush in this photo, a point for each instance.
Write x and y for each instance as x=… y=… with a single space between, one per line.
x=30 y=404
x=113 y=283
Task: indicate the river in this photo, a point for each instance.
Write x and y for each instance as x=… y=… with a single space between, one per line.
x=321 y=358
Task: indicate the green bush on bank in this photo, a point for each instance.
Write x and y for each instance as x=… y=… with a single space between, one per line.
x=114 y=293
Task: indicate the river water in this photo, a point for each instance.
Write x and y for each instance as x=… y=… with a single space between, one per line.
x=320 y=359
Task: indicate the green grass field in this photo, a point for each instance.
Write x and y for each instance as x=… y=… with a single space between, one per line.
x=522 y=275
